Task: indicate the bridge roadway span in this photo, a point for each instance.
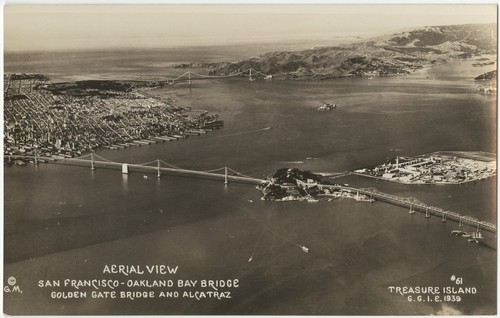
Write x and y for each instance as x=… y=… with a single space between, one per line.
x=141 y=168
x=415 y=205
x=411 y=203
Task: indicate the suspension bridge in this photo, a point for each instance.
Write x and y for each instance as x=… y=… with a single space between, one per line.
x=157 y=166
x=189 y=76
x=226 y=174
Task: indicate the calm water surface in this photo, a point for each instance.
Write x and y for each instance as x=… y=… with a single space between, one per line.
x=66 y=222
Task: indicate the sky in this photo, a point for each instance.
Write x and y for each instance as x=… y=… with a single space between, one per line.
x=92 y=27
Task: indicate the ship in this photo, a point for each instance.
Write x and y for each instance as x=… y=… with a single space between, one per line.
x=363 y=199
x=327 y=106
x=217 y=123
x=288 y=198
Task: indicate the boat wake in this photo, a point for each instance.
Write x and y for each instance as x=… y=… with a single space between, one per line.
x=243 y=132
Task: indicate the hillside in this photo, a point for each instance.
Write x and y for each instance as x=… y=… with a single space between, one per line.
x=487 y=76
x=396 y=54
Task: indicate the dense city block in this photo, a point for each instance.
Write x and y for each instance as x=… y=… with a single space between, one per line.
x=69 y=119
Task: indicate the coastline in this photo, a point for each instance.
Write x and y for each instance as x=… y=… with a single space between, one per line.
x=71 y=119
x=436 y=168
x=422 y=183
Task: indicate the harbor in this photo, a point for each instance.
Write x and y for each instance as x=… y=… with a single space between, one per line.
x=76 y=220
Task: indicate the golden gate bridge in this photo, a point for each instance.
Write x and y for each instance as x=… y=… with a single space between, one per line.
x=189 y=76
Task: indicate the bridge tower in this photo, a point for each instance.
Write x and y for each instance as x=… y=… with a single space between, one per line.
x=411 y=208
x=427 y=215
x=189 y=78
x=460 y=224
x=158 y=165
x=444 y=217
x=250 y=76
x=478 y=231
x=92 y=161
x=225 y=176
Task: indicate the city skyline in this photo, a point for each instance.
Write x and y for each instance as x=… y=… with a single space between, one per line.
x=93 y=27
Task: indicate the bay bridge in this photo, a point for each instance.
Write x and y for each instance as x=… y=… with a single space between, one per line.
x=157 y=166
x=415 y=205
x=189 y=76
x=227 y=175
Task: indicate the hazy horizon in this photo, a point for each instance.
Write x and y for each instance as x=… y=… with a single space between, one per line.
x=48 y=28
x=299 y=42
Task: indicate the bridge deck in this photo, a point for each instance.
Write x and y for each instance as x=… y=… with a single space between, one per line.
x=410 y=203
x=422 y=207
x=149 y=169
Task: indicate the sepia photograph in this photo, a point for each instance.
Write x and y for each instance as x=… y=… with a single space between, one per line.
x=250 y=159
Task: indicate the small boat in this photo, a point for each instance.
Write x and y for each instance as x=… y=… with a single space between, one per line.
x=327 y=106
x=305 y=249
x=145 y=177
x=363 y=199
x=288 y=199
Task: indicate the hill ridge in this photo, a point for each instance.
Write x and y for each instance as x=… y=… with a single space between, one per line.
x=399 y=53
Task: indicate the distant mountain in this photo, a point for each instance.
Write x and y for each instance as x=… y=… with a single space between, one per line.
x=396 y=54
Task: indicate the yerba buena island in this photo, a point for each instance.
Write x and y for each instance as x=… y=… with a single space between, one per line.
x=46 y=121
x=310 y=161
